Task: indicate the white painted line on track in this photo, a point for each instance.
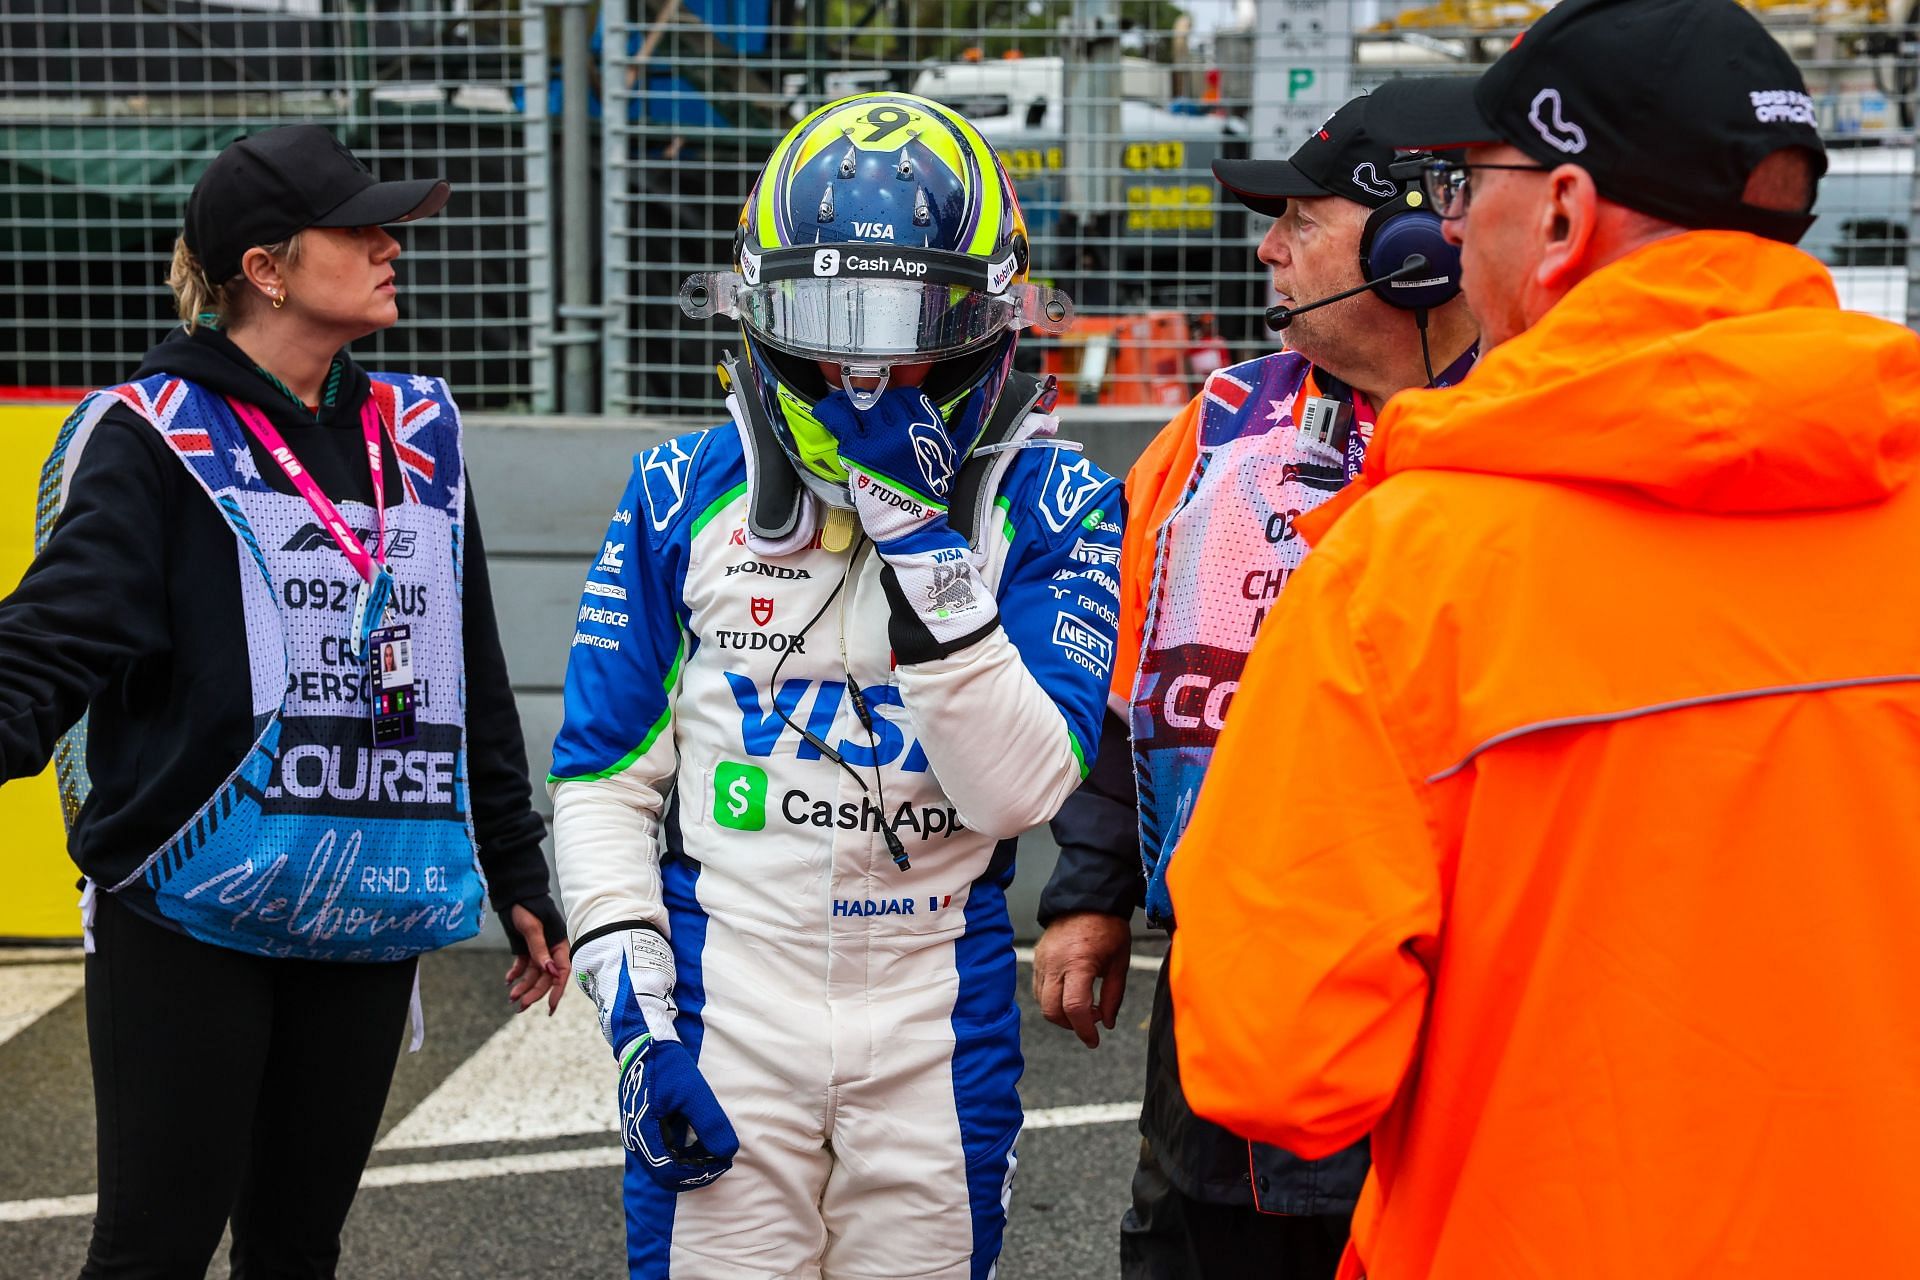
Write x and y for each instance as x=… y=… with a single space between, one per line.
x=51 y=1207
x=1084 y=1114
x=1136 y=961
x=28 y=992
x=407 y=1175
x=404 y=1175
x=562 y=1061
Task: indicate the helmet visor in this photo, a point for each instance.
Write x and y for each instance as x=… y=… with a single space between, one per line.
x=882 y=320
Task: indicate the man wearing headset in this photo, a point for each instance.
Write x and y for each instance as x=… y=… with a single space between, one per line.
x=1601 y=920
x=1210 y=542
x=862 y=636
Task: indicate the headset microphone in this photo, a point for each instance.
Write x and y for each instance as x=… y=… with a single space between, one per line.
x=1278 y=318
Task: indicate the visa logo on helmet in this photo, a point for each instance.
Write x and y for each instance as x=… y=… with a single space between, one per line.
x=761 y=727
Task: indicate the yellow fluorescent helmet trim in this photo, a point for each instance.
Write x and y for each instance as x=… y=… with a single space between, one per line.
x=819 y=452
x=765 y=200
x=993 y=205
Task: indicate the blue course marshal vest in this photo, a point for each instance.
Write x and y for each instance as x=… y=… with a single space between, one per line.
x=319 y=845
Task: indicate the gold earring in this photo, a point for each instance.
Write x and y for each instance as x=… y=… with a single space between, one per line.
x=279 y=301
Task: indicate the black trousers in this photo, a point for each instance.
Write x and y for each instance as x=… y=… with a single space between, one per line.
x=1167 y=1235
x=230 y=1086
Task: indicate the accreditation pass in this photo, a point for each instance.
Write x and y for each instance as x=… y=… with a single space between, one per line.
x=391 y=686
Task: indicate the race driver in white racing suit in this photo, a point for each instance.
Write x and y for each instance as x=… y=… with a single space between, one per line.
x=862 y=637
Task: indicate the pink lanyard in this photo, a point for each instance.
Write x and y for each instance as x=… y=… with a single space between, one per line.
x=357 y=555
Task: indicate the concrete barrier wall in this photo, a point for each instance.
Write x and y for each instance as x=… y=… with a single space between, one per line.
x=545 y=490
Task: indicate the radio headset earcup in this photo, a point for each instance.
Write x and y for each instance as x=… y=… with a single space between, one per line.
x=1395 y=232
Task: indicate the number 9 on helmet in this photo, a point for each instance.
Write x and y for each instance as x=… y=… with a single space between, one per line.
x=882 y=232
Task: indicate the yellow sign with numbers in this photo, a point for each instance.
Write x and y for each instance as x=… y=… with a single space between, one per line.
x=37 y=894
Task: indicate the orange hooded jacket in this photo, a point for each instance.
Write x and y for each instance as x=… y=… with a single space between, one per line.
x=1565 y=831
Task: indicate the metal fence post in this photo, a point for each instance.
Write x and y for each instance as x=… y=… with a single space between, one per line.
x=537 y=130
x=1090 y=89
x=578 y=316
x=617 y=97
x=1913 y=233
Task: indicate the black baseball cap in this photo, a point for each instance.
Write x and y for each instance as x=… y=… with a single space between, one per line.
x=1669 y=104
x=265 y=187
x=1341 y=158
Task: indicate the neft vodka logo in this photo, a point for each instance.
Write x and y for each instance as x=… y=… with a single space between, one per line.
x=1082 y=645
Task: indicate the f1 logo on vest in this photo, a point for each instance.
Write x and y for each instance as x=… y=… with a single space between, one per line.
x=312 y=537
x=761 y=728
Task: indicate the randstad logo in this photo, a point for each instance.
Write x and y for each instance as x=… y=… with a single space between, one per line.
x=740 y=796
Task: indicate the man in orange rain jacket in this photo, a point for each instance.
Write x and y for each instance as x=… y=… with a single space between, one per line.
x=1209 y=546
x=1565 y=831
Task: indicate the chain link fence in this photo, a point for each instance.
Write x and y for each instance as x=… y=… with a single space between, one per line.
x=1108 y=115
x=109 y=109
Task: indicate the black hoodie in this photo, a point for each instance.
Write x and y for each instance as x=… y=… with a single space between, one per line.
x=133 y=613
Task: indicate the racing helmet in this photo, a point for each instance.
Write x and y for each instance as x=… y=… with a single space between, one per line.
x=882 y=231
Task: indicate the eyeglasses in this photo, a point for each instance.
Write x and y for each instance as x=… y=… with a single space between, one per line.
x=1446 y=183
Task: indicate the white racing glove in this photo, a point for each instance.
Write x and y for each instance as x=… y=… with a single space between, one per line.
x=668 y=1113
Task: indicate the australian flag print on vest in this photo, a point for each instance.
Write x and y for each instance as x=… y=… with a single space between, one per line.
x=1220 y=561
x=319 y=845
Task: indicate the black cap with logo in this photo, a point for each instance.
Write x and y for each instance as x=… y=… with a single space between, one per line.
x=1342 y=158
x=1669 y=104
x=265 y=187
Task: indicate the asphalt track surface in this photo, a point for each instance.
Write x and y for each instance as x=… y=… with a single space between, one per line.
x=497 y=1155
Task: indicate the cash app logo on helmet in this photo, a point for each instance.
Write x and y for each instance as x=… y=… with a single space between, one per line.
x=882 y=232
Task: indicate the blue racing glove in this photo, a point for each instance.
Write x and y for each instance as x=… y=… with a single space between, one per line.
x=668 y=1114
x=901 y=467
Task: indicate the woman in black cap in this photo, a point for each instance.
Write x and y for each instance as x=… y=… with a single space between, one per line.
x=261 y=579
